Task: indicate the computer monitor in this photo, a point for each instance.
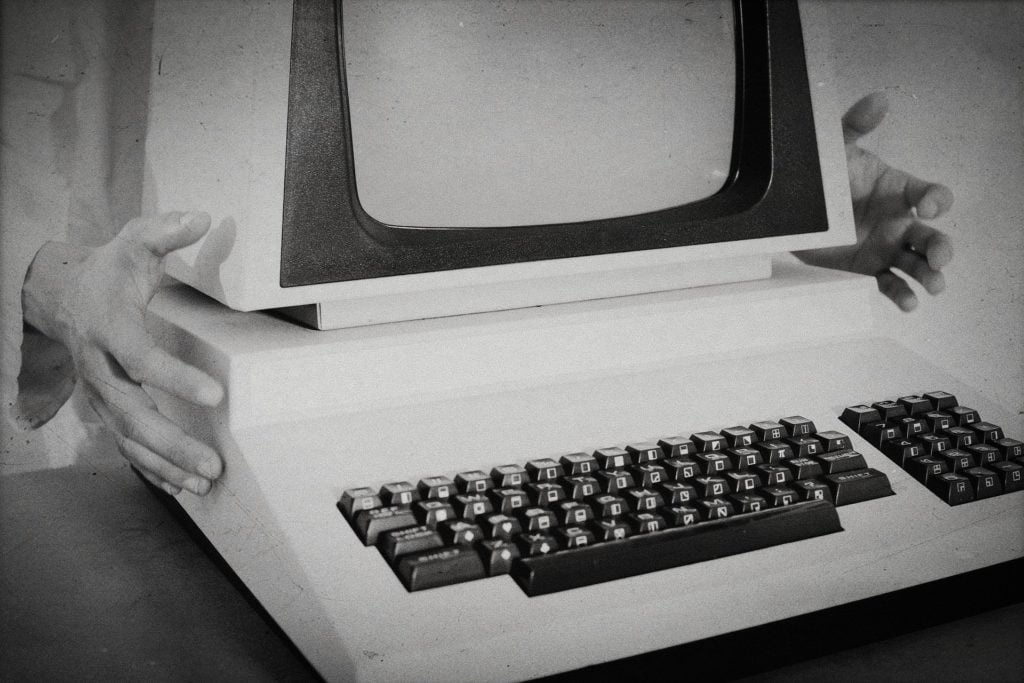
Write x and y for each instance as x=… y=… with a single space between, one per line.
x=374 y=161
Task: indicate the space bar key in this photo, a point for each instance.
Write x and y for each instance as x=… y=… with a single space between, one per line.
x=674 y=547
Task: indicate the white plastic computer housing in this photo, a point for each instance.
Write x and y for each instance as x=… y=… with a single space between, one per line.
x=217 y=143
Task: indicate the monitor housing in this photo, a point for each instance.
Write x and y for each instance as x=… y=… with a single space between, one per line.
x=249 y=121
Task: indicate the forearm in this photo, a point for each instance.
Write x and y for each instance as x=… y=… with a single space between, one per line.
x=51 y=278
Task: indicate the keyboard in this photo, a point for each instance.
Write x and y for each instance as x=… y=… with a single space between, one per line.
x=946 y=446
x=583 y=518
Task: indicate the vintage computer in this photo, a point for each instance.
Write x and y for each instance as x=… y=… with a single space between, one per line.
x=492 y=289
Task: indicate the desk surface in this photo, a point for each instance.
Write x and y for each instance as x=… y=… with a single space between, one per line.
x=98 y=581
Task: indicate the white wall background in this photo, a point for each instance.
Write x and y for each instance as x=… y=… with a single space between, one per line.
x=954 y=73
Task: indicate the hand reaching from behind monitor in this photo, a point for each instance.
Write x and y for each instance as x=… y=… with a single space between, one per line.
x=888 y=208
x=93 y=300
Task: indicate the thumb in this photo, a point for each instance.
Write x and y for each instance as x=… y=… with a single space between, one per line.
x=170 y=231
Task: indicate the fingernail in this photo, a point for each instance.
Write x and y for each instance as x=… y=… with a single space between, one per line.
x=209 y=469
x=211 y=394
x=198 y=486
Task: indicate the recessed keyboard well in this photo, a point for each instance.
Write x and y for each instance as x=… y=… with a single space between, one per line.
x=556 y=523
x=946 y=446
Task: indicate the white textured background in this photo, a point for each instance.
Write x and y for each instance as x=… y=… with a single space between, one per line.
x=954 y=73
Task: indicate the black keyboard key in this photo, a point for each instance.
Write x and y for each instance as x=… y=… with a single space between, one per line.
x=963 y=416
x=545 y=493
x=739 y=437
x=952 y=487
x=856 y=417
x=742 y=482
x=574 y=537
x=708 y=487
x=397 y=542
x=805 y=446
x=984 y=482
x=987 y=432
x=681 y=469
x=902 y=451
x=941 y=400
x=767 y=430
x=713 y=462
x=440 y=567
x=607 y=506
x=678 y=492
x=358 y=499
x=842 y=461
x=774 y=451
x=644 y=452
x=370 y=524
x=497 y=556
x=544 y=469
x=956 y=459
x=748 y=502
x=804 y=468
x=573 y=513
x=460 y=532
x=536 y=520
x=933 y=444
x=714 y=508
x=779 y=496
x=472 y=507
x=537 y=544
x=910 y=426
x=473 y=482
x=581 y=487
x=1010 y=475
x=645 y=522
x=649 y=475
x=501 y=527
x=812 y=489
x=509 y=476
x=615 y=481
x=677 y=446
x=877 y=433
x=985 y=454
x=915 y=404
x=833 y=441
x=890 y=410
x=960 y=437
x=436 y=487
x=1010 y=448
x=709 y=441
x=578 y=464
x=858 y=486
x=432 y=512
x=926 y=467
x=613 y=458
x=610 y=529
x=798 y=425
x=744 y=458
x=938 y=421
x=673 y=547
x=399 y=493
x=508 y=500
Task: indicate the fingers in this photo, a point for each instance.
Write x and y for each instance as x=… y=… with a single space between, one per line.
x=864 y=116
x=147 y=363
x=934 y=245
x=895 y=288
x=163 y=234
x=147 y=438
x=930 y=200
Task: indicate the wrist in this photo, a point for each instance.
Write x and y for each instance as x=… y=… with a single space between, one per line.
x=51 y=279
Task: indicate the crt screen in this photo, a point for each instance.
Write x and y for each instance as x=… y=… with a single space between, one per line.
x=482 y=114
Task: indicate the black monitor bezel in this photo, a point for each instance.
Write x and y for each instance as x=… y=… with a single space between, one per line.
x=774 y=187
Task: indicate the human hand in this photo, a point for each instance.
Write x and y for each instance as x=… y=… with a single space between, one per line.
x=888 y=205
x=94 y=300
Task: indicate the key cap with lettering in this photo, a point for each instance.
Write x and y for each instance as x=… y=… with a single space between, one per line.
x=644 y=452
x=613 y=458
x=877 y=433
x=474 y=481
x=841 y=461
x=952 y=487
x=963 y=416
x=984 y=482
x=987 y=432
x=608 y=506
x=1010 y=475
x=678 y=492
x=501 y=527
x=497 y=556
x=890 y=410
x=581 y=487
x=392 y=544
x=938 y=421
x=744 y=458
x=985 y=454
x=811 y=489
x=436 y=487
x=677 y=446
x=774 y=451
x=574 y=537
x=747 y=502
x=1010 y=448
x=357 y=499
x=440 y=567
x=399 y=493
x=960 y=437
x=768 y=430
x=926 y=467
x=509 y=476
x=739 y=437
x=902 y=451
x=858 y=486
x=370 y=524
x=578 y=464
x=712 y=462
x=798 y=425
x=460 y=532
x=681 y=469
x=543 y=470
x=709 y=441
x=804 y=446
x=833 y=441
